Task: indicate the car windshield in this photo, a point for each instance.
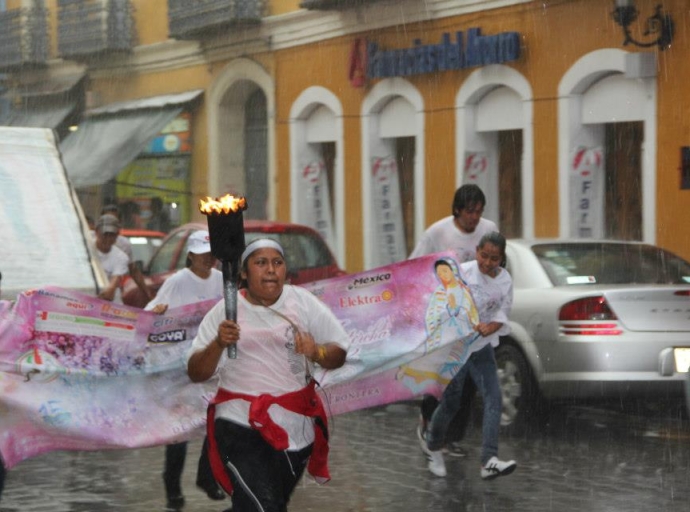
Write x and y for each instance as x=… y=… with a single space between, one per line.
x=610 y=263
x=143 y=247
x=302 y=250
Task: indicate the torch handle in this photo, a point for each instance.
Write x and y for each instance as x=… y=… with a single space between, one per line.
x=230 y=296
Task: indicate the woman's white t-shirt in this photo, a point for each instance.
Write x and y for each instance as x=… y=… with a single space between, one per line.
x=493 y=297
x=266 y=361
x=185 y=287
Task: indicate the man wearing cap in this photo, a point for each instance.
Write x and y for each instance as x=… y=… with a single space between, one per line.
x=123 y=243
x=199 y=281
x=113 y=260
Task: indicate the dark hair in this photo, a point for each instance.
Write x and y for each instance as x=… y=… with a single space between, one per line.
x=467 y=195
x=438 y=263
x=494 y=238
x=156 y=204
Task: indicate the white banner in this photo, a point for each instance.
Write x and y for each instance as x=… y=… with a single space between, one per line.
x=315 y=207
x=43 y=240
x=387 y=210
x=587 y=193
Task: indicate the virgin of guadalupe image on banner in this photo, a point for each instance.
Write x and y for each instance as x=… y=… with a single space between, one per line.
x=411 y=325
x=586 y=192
x=450 y=315
x=315 y=206
x=387 y=210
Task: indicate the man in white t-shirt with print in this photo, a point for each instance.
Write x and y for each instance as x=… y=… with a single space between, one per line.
x=459 y=232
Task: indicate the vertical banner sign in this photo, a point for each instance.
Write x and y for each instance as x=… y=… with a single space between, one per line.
x=586 y=189
x=315 y=208
x=387 y=210
x=476 y=169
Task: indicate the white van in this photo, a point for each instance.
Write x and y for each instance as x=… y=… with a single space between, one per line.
x=44 y=237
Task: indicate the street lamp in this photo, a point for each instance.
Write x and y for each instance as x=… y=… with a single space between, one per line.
x=660 y=24
x=625 y=13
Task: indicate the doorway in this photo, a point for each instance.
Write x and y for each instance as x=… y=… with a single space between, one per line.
x=623 y=179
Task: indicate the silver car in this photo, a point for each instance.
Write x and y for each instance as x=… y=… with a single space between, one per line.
x=599 y=319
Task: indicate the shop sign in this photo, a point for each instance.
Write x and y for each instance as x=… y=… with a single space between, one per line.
x=586 y=185
x=315 y=200
x=387 y=209
x=472 y=51
x=175 y=137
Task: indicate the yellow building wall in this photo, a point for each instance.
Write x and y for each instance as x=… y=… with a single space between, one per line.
x=555 y=35
x=673 y=132
x=150 y=20
x=276 y=7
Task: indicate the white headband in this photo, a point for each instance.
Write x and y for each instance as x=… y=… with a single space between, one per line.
x=260 y=243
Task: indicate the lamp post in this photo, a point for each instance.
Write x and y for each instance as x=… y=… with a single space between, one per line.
x=659 y=24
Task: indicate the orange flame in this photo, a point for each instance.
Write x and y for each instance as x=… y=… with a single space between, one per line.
x=225 y=204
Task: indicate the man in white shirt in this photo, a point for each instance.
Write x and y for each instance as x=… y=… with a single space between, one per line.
x=115 y=262
x=123 y=243
x=459 y=232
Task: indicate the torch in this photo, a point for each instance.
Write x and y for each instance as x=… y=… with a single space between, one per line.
x=226 y=233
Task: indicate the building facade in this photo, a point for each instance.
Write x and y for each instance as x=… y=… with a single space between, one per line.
x=361 y=117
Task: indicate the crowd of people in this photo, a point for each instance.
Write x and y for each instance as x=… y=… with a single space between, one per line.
x=282 y=331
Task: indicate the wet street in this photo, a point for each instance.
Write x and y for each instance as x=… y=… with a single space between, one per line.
x=584 y=458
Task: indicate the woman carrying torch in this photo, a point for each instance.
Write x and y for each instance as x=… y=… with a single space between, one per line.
x=265 y=425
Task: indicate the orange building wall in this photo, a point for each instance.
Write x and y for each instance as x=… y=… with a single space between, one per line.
x=276 y=7
x=151 y=21
x=673 y=131
x=555 y=35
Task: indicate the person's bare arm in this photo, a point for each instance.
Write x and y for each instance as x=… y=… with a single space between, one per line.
x=327 y=355
x=108 y=293
x=138 y=278
x=202 y=364
x=159 y=309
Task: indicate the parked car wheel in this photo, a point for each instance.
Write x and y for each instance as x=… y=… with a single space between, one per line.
x=520 y=395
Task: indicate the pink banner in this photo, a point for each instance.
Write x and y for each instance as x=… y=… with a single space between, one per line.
x=78 y=373
x=409 y=331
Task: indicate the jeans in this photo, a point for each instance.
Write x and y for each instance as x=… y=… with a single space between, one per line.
x=481 y=366
x=458 y=427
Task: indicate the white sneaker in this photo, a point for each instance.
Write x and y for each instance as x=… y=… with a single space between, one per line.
x=495 y=468
x=436 y=463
